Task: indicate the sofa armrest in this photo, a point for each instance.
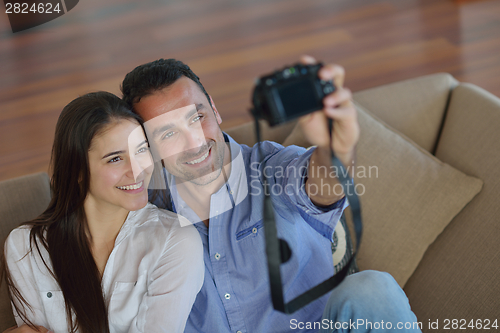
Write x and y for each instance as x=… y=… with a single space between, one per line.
x=457 y=278
x=21 y=199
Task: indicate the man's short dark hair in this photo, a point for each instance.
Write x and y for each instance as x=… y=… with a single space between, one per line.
x=146 y=79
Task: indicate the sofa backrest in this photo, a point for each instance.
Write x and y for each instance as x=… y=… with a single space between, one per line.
x=415 y=107
x=245 y=133
x=21 y=199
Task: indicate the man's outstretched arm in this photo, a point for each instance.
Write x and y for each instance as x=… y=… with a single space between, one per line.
x=322 y=186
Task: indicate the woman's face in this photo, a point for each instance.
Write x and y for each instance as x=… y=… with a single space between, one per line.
x=120 y=167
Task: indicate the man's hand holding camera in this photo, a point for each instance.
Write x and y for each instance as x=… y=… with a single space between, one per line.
x=339 y=107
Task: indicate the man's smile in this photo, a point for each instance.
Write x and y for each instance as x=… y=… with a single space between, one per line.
x=199 y=160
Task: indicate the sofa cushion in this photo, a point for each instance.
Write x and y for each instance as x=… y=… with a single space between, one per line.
x=459 y=275
x=408 y=197
x=413 y=107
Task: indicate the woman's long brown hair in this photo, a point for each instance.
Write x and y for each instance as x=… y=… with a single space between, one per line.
x=62 y=228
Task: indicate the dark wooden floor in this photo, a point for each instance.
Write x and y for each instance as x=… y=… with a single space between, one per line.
x=228 y=43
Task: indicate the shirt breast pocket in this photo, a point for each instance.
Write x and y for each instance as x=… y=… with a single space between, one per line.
x=55 y=310
x=253 y=231
x=125 y=301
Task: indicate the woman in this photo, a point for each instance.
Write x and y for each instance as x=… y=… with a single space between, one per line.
x=100 y=258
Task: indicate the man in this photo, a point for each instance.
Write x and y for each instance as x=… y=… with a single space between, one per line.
x=217 y=184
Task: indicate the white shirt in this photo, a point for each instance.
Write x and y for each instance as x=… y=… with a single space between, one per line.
x=149 y=284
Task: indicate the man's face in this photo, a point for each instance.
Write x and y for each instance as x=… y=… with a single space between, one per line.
x=184 y=130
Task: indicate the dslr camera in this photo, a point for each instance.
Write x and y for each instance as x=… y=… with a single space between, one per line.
x=289 y=93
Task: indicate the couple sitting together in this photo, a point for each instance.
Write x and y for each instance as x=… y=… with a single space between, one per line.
x=101 y=258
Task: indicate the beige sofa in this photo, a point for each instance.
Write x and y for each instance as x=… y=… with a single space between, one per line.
x=429 y=182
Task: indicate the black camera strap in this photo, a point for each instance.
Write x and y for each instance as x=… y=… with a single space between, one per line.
x=278 y=251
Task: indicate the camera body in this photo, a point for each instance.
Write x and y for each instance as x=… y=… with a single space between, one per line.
x=289 y=93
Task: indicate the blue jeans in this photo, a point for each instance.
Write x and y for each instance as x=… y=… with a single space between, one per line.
x=369 y=301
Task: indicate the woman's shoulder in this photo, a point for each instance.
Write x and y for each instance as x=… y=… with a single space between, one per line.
x=21 y=231
x=17 y=243
x=19 y=235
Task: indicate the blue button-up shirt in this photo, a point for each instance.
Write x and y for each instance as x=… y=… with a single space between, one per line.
x=236 y=293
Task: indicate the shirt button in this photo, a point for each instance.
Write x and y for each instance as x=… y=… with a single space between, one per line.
x=49 y=294
x=227 y=296
x=217 y=256
x=254 y=230
x=238 y=332
x=231 y=192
